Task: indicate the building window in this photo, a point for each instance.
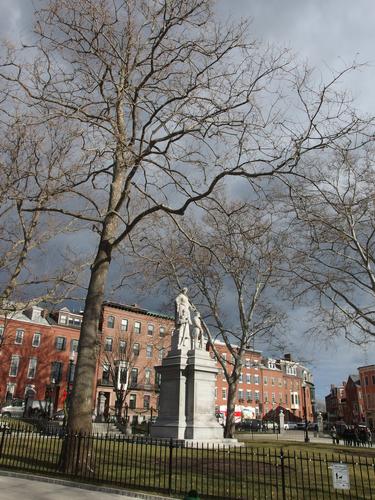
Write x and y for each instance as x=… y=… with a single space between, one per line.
x=240 y=394
x=150 y=330
x=272 y=381
x=240 y=378
x=136 y=349
x=286 y=399
x=162 y=331
x=248 y=378
x=122 y=346
x=111 y=322
x=373 y=379
x=147 y=376
x=249 y=395
x=257 y=396
x=137 y=327
x=74 y=345
x=134 y=376
x=56 y=371
x=36 y=339
x=63 y=319
x=133 y=401
x=266 y=397
x=149 y=351
x=224 y=358
x=224 y=393
x=19 y=337
x=124 y=325
x=366 y=380
x=146 y=402
x=108 y=344
x=32 y=368
x=256 y=379
x=123 y=375
x=247 y=363
x=14 y=364
x=273 y=398
x=106 y=374
x=157 y=378
x=161 y=353
x=60 y=343
x=265 y=380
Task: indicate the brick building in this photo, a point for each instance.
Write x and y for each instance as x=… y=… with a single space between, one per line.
x=133 y=342
x=367 y=378
x=352 y=401
x=39 y=350
x=37 y=353
x=268 y=385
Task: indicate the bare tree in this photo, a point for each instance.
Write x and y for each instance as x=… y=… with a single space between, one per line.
x=333 y=241
x=165 y=103
x=228 y=259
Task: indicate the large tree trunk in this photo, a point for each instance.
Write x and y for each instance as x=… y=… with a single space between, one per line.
x=230 y=423
x=81 y=405
x=81 y=402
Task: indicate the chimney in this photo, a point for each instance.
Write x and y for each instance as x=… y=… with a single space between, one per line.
x=288 y=357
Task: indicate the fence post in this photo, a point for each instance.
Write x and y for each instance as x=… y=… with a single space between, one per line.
x=2 y=439
x=282 y=474
x=170 y=466
x=78 y=451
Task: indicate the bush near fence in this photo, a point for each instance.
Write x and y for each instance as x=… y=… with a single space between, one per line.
x=170 y=467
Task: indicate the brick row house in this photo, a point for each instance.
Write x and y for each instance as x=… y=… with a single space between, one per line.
x=39 y=352
x=353 y=402
x=267 y=386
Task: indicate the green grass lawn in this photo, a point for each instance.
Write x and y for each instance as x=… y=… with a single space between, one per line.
x=254 y=471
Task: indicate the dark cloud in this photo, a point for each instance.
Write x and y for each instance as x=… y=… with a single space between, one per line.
x=325 y=34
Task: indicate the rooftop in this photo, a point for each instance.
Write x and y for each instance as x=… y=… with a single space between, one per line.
x=136 y=309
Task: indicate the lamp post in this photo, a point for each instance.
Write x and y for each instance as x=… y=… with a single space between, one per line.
x=307 y=439
x=69 y=386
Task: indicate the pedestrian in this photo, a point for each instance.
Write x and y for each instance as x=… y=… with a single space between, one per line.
x=333 y=434
x=369 y=437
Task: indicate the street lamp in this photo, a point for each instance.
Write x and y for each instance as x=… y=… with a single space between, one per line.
x=307 y=440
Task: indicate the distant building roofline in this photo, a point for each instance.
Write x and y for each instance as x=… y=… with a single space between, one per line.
x=136 y=309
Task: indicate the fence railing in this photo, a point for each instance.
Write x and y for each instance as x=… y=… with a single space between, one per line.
x=170 y=467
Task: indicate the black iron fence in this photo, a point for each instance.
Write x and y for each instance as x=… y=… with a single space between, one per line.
x=171 y=467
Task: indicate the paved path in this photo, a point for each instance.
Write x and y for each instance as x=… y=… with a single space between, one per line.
x=16 y=487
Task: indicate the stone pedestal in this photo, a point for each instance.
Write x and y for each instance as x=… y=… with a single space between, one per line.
x=171 y=422
x=187 y=396
x=201 y=423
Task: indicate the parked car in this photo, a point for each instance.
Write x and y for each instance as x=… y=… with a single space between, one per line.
x=290 y=426
x=249 y=425
x=59 y=415
x=15 y=409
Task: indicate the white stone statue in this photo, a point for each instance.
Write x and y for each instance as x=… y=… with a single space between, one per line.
x=197 y=333
x=182 y=317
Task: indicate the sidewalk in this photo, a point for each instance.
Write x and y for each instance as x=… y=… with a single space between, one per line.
x=16 y=486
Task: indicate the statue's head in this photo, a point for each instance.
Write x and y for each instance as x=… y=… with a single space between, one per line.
x=184 y=290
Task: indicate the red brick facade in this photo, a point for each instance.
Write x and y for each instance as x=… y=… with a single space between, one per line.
x=132 y=341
